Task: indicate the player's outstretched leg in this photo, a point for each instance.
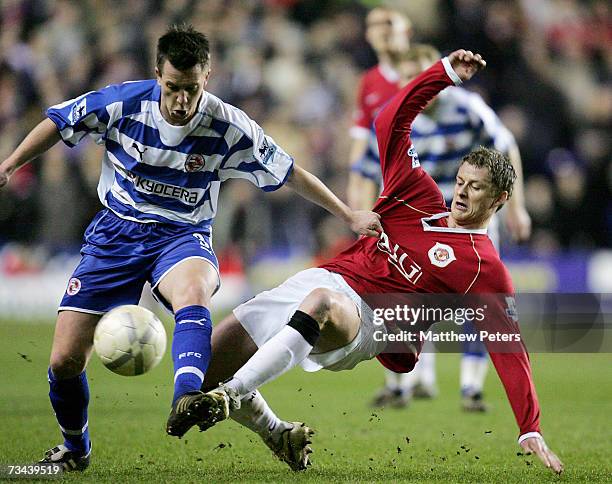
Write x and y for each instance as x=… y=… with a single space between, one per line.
x=321 y=311
x=69 y=390
x=278 y=355
x=285 y=350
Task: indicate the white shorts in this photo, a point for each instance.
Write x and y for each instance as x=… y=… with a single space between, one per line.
x=268 y=312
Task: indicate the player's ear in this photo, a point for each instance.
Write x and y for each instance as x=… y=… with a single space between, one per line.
x=500 y=200
x=158 y=75
x=206 y=76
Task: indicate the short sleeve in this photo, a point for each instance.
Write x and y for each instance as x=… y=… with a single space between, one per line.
x=275 y=163
x=88 y=114
x=253 y=155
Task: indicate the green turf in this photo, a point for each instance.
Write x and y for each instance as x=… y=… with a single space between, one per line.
x=352 y=444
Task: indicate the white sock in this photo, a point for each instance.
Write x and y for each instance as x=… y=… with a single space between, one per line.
x=392 y=379
x=427 y=361
x=256 y=415
x=473 y=373
x=466 y=374
x=424 y=372
x=407 y=381
x=275 y=357
x=481 y=367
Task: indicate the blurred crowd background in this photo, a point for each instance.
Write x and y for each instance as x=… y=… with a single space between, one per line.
x=293 y=66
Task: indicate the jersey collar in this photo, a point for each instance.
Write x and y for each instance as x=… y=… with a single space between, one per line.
x=170 y=134
x=454 y=230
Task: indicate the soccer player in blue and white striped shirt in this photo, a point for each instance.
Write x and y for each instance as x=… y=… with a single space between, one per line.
x=168 y=147
x=455 y=123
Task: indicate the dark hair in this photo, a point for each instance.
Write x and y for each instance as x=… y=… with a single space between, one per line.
x=499 y=167
x=184 y=47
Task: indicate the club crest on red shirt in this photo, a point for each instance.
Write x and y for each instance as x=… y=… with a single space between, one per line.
x=441 y=255
x=194 y=162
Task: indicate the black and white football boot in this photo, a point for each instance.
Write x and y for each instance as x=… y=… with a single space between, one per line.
x=65 y=458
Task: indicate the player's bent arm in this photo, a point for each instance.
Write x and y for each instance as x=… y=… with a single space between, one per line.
x=39 y=140
x=311 y=188
x=394 y=122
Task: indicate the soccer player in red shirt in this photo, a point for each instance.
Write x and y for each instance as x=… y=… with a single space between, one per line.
x=318 y=318
x=388 y=32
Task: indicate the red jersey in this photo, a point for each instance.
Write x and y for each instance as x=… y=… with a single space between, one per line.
x=419 y=253
x=377 y=86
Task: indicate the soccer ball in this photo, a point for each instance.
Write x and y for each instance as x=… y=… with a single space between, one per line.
x=130 y=340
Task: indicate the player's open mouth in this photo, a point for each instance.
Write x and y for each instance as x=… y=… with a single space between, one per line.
x=462 y=207
x=179 y=113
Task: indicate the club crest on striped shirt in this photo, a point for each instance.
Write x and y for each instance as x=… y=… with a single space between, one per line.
x=194 y=162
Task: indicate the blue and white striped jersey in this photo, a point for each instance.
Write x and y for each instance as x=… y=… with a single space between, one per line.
x=460 y=122
x=153 y=171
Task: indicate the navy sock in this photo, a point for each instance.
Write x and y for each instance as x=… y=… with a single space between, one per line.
x=191 y=349
x=69 y=399
x=474 y=348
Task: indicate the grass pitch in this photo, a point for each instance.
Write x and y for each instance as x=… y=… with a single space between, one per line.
x=432 y=441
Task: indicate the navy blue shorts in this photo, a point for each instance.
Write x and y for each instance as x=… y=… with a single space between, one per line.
x=119 y=256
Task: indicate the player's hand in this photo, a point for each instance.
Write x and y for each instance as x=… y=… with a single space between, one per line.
x=465 y=63
x=518 y=223
x=366 y=223
x=536 y=445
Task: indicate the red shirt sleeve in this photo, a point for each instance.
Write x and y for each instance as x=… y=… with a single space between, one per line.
x=511 y=359
x=403 y=177
x=394 y=122
x=514 y=371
